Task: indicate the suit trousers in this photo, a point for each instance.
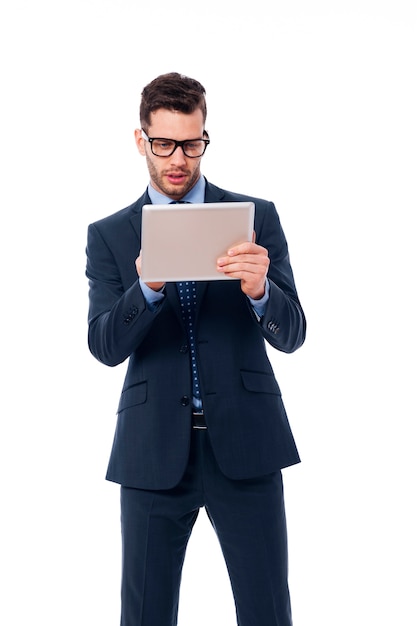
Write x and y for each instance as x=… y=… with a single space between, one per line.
x=248 y=517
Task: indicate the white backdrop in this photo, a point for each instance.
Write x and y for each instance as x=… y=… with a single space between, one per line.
x=311 y=105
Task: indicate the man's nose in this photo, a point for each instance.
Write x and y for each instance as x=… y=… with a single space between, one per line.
x=178 y=155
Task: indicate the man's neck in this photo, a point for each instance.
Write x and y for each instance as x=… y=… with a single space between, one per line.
x=196 y=194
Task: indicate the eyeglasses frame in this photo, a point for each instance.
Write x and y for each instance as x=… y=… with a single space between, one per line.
x=176 y=145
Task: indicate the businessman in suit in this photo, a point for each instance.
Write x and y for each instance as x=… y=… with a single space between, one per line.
x=201 y=422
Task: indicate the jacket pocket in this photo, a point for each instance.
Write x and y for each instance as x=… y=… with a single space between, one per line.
x=133 y=395
x=260 y=382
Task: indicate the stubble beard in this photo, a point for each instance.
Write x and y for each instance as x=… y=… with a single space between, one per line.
x=173 y=191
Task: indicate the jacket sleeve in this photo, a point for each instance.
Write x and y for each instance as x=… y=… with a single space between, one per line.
x=119 y=317
x=283 y=324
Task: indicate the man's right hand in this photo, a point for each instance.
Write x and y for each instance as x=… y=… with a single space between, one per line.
x=154 y=286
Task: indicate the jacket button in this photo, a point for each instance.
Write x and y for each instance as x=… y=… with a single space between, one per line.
x=184 y=349
x=185 y=401
x=130 y=315
x=273 y=327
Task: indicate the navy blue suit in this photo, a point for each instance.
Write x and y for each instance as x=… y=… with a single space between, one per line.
x=248 y=434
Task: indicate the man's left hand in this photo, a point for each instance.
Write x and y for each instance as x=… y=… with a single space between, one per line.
x=249 y=262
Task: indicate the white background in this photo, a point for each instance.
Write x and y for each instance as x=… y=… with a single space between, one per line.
x=312 y=104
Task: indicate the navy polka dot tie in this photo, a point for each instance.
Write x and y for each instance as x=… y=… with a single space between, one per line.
x=188 y=297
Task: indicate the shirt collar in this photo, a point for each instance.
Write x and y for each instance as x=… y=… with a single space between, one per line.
x=196 y=194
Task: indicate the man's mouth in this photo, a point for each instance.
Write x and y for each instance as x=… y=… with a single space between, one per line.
x=176 y=177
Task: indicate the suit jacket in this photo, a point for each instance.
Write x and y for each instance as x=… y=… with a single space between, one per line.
x=246 y=418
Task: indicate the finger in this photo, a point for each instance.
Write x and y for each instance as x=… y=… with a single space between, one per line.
x=247 y=247
x=261 y=260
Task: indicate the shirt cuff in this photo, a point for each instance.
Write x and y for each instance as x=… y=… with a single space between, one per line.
x=259 y=306
x=153 y=298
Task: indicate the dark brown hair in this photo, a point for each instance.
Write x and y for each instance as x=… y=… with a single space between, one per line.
x=172 y=91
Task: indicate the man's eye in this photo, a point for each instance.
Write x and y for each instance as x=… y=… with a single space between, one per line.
x=163 y=145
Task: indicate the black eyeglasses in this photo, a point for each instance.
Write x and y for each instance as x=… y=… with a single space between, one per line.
x=192 y=148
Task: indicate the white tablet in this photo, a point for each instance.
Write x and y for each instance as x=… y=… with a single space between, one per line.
x=184 y=241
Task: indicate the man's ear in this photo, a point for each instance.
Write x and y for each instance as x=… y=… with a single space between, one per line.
x=140 y=142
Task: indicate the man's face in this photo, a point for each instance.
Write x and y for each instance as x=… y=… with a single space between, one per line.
x=175 y=175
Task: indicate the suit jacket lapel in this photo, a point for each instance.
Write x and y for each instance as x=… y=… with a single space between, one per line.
x=213 y=193
x=136 y=218
x=173 y=298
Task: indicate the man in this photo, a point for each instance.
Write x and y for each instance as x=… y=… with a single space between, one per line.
x=221 y=444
